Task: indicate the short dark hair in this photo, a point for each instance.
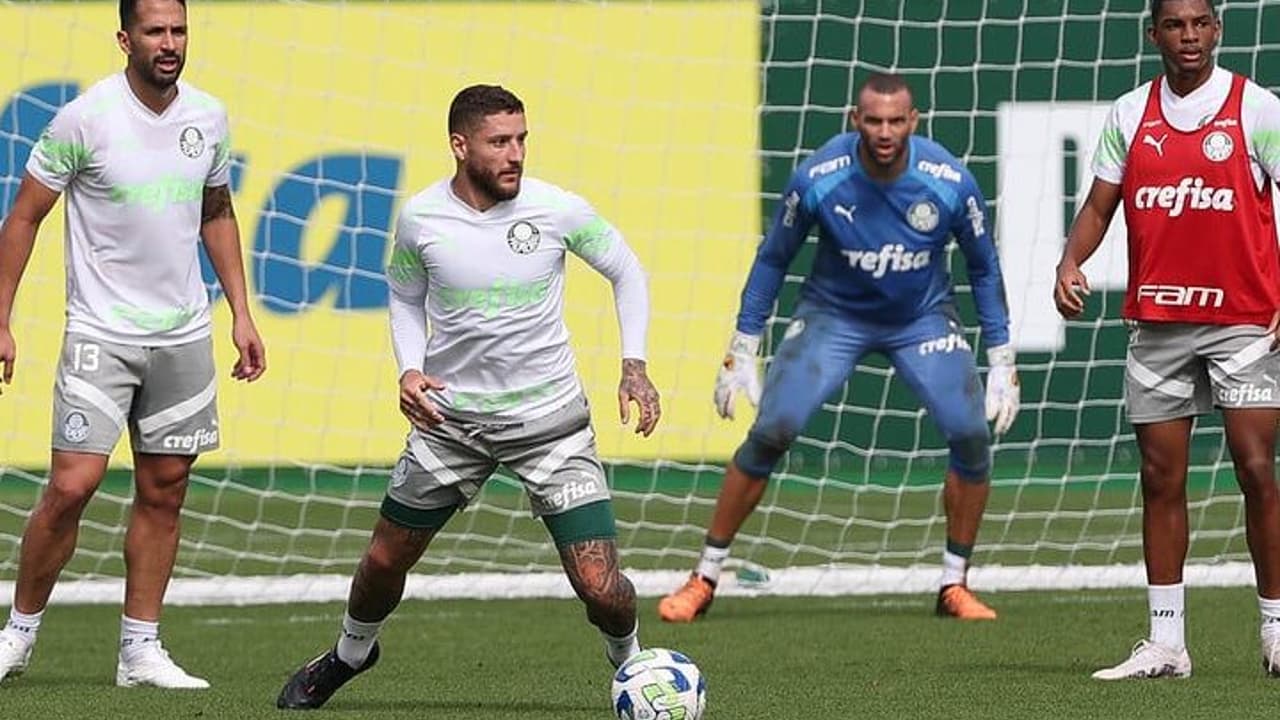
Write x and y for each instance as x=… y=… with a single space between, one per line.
x=885 y=84
x=1158 y=5
x=129 y=12
x=473 y=104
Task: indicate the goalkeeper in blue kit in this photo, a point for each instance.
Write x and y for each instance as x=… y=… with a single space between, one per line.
x=886 y=204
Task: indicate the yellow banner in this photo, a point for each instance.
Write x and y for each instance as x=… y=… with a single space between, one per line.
x=338 y=114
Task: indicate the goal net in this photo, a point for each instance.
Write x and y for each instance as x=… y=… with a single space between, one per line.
x=680 y=122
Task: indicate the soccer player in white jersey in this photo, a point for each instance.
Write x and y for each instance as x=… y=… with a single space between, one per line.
x=480 y=258
x=1193 y=155
x=144 y=161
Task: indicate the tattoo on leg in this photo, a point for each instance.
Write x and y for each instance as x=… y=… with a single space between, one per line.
x=592 y=567
x=378 y=584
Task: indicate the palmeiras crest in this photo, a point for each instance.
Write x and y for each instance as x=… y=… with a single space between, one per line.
x=191 y=141
x=523 y=237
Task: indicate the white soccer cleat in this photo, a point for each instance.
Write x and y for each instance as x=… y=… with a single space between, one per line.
x=151 y=665
x=14 y=657
x=1149 y=660
x=1271 y=654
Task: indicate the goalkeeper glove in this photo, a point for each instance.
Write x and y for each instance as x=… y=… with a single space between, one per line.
x=1002 y=388
x=738 y=373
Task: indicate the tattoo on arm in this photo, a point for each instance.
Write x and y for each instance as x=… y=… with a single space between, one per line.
x=636 y=382
x=217 y=204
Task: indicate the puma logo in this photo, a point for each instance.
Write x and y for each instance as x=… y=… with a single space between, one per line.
x=846 y=212
x=1157 y=144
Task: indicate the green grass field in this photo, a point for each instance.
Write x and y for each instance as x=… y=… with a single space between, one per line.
x=782 y=658
x=778 y=658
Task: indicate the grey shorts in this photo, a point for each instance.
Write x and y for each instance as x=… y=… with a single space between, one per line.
x=164 y=395
x=1176 y=370
x=553 y=456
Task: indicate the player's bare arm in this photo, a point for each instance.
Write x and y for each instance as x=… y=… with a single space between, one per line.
x=17 y=237
x=636 y=387
x=217 y=205
x=592 y=568
x=1085 y=236
x=221 y=237
x=414 y=403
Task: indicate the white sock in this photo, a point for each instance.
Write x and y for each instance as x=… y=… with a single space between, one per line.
x=1270 y=610
x=135 y=634
x=1168 y=614
x=356 y=641
x=621 y=648
x=954 y=568
x=23 y=627
x=712 y=559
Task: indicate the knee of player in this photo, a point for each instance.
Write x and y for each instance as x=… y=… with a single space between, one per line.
x=67 y=498
x=764 y=447
x=1256 y=477
x=394 y=548
x=971 y=455
x=386 y=559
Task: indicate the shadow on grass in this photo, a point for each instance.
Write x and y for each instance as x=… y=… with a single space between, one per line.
x=497 y=709
x=38 y=681
x=743 y=608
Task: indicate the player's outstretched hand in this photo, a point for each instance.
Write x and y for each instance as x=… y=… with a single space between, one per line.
x=636 y=387
x=253 y=354
x=415 y=404
x=1003 y=391
x=738 y=373
x=8 y=354
x=1070 y=290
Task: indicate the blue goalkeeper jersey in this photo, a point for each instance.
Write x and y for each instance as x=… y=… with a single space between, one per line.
x=881 y=252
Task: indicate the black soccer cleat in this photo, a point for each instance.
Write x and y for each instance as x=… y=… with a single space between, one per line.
x=318 y=680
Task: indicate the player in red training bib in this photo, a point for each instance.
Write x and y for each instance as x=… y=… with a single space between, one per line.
x=1192 y=155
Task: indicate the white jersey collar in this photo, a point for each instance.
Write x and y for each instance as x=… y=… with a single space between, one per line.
x=140 y=106
x=1213 y=92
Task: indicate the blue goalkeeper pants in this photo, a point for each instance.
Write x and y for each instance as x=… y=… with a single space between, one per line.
x=821 y=348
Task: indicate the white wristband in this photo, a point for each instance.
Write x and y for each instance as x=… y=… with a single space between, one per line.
x=744 y=343
x=1002 y=355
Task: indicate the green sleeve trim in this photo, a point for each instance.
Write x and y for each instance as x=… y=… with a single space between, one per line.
x=590 y=240
x=1111 y=149
x=593 y=521
x=223 y=151
x=1267 y=144
x=62 y=158
x=405 y=266
x=416 y=518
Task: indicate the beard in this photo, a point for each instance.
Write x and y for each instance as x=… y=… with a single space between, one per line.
x=487 y=182
x=161 y=79
x=898 y=152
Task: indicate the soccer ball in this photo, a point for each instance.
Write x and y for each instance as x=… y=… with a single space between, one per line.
x=658 y=684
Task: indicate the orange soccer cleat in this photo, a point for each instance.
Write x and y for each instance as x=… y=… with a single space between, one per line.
x=689 y=602
x=959 y=602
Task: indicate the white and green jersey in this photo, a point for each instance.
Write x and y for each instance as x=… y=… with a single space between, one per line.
x=134 y=184
x=1260 y=123
x=491 y=285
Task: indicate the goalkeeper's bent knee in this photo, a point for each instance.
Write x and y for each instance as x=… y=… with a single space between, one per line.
x=971 y=457
x=759 y=453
